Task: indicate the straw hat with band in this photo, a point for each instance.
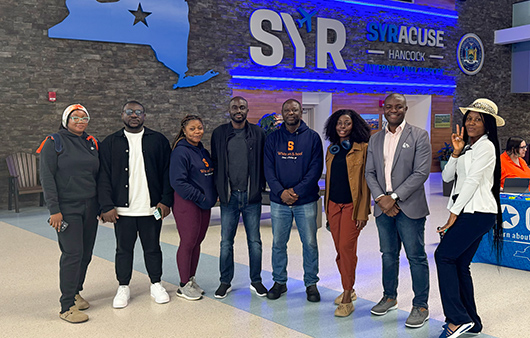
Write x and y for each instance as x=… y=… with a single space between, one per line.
x=70 y=109
x=485 y=106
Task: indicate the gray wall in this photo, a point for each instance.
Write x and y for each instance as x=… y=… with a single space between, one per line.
x=101 y=76
x=483 y=17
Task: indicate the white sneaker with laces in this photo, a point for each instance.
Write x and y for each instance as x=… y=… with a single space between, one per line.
x=159 y=293
x=122 y=297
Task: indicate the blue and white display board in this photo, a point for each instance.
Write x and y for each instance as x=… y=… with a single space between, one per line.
x=516 y=251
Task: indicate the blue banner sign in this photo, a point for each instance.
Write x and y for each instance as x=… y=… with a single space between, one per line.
x=516 y=228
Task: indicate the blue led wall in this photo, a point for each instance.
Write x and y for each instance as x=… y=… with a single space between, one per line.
x=346 y=46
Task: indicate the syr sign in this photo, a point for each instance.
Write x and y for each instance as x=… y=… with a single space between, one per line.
x=278 y=21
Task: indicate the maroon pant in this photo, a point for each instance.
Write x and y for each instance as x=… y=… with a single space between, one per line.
x=192 y=223
x=345 y=235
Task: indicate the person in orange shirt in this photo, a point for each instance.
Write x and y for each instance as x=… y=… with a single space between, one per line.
x=512 y=162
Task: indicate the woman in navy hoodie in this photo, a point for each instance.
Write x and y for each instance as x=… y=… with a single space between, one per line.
x=191 y=176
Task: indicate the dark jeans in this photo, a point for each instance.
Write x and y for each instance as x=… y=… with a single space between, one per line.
x=392 y=232
x=127 y=229
x=230 y=212
x=453 y=257
x=77 y=244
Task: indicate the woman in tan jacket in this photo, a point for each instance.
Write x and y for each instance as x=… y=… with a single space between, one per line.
x=347 y=199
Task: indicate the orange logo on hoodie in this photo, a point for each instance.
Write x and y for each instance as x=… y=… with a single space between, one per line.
x=290 y=145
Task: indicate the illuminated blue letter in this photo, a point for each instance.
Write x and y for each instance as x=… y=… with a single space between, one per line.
x=372 y=31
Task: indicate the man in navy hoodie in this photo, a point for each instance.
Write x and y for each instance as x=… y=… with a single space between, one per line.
x=293 y=160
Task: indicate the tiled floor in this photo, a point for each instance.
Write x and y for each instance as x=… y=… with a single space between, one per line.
x=29 y=288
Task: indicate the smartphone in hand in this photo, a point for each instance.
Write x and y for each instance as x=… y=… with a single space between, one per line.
x=158 y=214
x=63 y=227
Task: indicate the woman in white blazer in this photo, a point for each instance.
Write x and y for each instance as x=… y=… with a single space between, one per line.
x=474 y=209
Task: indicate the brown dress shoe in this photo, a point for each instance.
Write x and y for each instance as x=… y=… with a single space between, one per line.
x=344 y=310
x=338 y=300
x=74 y=315
x=81 y=303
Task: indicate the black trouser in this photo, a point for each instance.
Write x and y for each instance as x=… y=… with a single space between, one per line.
x=127 y=229
x=453 y=257
x=77 y=244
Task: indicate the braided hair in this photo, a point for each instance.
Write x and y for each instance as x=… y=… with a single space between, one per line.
x=183 y=125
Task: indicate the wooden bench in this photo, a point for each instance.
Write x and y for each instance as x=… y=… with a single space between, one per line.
x=23 y=178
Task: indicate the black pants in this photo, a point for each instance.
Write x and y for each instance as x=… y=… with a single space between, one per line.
x=453 y=257
x=127 y=229
x=77 y=244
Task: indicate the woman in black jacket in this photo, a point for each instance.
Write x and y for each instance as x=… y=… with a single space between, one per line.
x=69 y=165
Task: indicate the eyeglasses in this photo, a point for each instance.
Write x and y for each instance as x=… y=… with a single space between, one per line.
x=138 y=112
x=525 y=147
x=78 y=119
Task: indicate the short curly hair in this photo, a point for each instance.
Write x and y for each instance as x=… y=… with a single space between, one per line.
x=360 y=129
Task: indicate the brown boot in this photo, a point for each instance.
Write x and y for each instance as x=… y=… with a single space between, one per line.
x=338 y=300
x=74 y=315
x=81 y=303
x=344 y=310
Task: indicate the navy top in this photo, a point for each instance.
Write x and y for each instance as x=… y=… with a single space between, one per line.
x=294 y=160
x=191 y=174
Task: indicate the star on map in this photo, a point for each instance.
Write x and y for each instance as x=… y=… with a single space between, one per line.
x=140 y=15
x=167 y=34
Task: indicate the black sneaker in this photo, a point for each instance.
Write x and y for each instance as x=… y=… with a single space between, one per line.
x=259 y=289
x=312 y=293
x=222 y=290
x=276 y=291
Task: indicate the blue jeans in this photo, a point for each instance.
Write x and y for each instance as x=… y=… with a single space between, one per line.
x=306 y=221
x=392 y=232
x=230 y=212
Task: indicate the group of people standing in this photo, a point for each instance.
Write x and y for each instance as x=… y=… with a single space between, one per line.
x=133 y=178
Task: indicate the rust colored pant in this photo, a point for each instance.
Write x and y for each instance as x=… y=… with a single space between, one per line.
x=345 y=235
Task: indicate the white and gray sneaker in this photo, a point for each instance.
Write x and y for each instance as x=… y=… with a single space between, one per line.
x=159 y=293
x=122 y=297
x=188 y=292
x=195 y=285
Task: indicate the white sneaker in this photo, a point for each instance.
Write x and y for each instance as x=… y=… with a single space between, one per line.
x=188 y=292
x=159 y=293
x=122 y=297
x=195 y=285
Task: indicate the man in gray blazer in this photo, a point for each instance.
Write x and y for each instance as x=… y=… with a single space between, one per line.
x=397 y=165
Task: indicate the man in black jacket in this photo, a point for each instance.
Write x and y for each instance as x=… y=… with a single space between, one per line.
x=237 y=154
x=134 y=193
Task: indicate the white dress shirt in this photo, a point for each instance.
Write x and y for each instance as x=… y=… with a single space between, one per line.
x=389 y=151
x=474 y=170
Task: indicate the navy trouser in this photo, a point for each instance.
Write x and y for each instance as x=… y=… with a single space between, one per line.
x=76 y=244
x=453 y=257
x=127 y=229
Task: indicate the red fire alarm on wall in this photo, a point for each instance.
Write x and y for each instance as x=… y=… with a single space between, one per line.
x=52 y=96
x=381 y=103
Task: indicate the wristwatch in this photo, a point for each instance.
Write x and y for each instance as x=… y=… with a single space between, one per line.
x=394 y=196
